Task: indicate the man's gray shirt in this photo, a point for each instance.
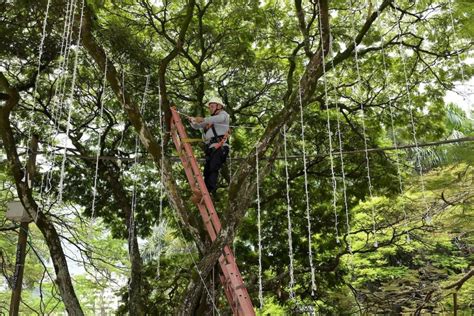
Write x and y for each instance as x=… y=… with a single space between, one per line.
x=221 y=125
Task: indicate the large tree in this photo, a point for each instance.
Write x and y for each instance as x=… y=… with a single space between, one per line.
x=373 y=73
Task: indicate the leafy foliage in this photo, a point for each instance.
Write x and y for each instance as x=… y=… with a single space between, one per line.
x=418 y=206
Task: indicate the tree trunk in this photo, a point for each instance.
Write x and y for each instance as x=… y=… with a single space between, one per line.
x=19 y=268
x=106 y=172
x=23 y=235
x=63 y=278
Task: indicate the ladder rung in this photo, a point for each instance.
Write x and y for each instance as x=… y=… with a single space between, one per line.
x=191 y=140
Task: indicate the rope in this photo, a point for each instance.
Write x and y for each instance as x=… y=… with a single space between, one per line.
x=123 y=104
x=131 y=232
x=194 y=263
x=137 y=145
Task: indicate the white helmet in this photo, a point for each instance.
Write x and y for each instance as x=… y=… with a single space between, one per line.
x=216 y=100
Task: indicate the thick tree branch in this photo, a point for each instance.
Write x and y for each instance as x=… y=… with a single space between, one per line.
x=303 y=28
x=458 y=284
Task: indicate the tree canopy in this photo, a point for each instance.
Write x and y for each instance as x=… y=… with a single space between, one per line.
x=348 y=189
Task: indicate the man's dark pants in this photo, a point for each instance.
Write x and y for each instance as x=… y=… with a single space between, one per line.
x=215 y=158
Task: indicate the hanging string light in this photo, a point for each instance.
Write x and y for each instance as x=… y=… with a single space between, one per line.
x=288 y=213
x=306 y=191
x=69 y=104
x=364 y=132
x=99 y=136
x=259 y=232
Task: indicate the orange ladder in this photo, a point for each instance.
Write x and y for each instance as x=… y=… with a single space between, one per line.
x=230 y=277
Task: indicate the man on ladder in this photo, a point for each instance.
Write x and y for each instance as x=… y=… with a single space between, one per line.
x=234 y=287
x=216 y=132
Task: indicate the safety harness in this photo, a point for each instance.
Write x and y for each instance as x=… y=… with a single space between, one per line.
x=217 y=139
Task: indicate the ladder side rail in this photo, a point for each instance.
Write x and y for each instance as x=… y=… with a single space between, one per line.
x=183 y=158
x=202 y=210
x=231 y=279
x=192 y=179
x=212 y=211
x=228 y=294
x=225 y=278
x=197 y=171
x=230 y=282
x=207 y=222
x=204 y=214
x=202 y=185
x=235 y=275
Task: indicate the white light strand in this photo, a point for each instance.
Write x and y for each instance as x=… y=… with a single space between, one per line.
x=344 y=186
x=230 y=159
x=343 y=171
x=259 y=228
x=465 y=96
x=412 y=123
x=392 y=126
x=99 y=135
x=69 y=104
x=306 y=191
x=38 y=72
x=60 y=87
x=47 y=177
x=162 y=145
x=123 y=106
x=364 y=133
x=68 y=40
x=288 y=213
x=328 y=125
x=134 y=189
x=450 y=9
